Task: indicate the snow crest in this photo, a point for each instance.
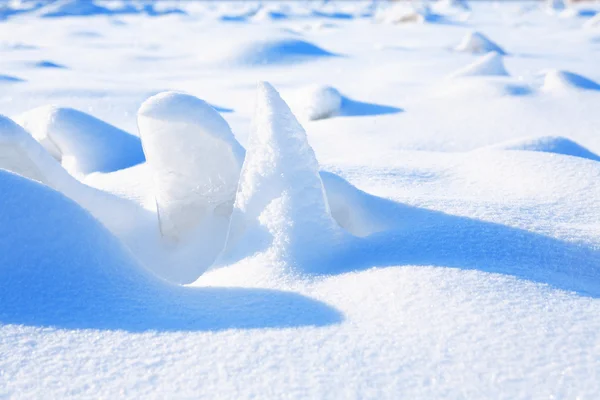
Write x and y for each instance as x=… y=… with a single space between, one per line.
x=281 y=203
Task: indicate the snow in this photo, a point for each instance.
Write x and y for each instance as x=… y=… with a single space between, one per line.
x=318 y=102
x=82 y=143
x=491 y=64
x=275 y=51
x=195 y=162
x=558 y=81
x=428 y=238
x=475 y=42
x=82 y=277
x=548 y=144
x=280 y=205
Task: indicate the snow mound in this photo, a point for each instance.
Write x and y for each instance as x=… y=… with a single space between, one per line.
x=274 y=51
x=59 y=267
x=555 y=6
x=548 y=144
x=79 y=8
x=318 y=102
x=81 y=142
x=21 y=154
x=446 y=6
x=195 y=162
x=281 y=204
x=558 y=81
x=407 y=14
x=48 y=64
x=9 y=79
x=269 y=14
x=491 y=64
x=593 y=22
x=477 y=43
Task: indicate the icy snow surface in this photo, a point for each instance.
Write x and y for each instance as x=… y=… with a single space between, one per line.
x=401 y=212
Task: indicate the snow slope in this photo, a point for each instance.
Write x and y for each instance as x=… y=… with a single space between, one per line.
x=397 y=232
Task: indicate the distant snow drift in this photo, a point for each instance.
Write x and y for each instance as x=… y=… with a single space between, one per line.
x=477 y=43
x=491 y=64
x=277 y=51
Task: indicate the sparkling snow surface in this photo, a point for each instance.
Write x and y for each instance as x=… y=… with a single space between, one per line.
x=431 y=231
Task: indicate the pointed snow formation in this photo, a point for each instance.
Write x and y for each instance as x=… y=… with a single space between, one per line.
x=195 y=161
x=281 y=203
x=557 y=81
x=477 y=43
x=491 y=64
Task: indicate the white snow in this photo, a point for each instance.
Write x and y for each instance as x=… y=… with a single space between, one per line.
x=280 y=205
x=491 y=64
x=560 y=81
x=317 y=102
x=426 y=238
x=475 y=42
x=82 y=143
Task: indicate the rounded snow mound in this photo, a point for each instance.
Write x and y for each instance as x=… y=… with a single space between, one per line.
x=557 y=80
x=80 y=142
x=60 y=267
x=274 y=51
x=593 y=22
x=491 y=64
x=477 y=43
x=9 y=79
x=58 y=262
x=318 y=102
x=548 y=144
x=195 y=162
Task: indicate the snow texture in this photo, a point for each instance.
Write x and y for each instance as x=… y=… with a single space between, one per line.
x=491 y=64
x=445 y=245
x=548 y=144
x=560 y=81
x=80 y=142
x=280 y=205
x=477 y=43
x=195 y=162
x=59 y=267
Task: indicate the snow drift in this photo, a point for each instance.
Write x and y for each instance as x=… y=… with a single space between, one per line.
x=547 y=144
x=564 y=81
x=60 y=267
x=195 y=162
x=280 y=206
x=491 y=64
x=477 y=43
x=80 y=142
x=276 y=51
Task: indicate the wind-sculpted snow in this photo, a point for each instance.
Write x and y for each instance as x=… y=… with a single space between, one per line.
x=477 y=43
x=419 y=237
x=316 y=102
x=491 y=64
x=195 y=162
x=547 y=144
x=276 y=51
x=280 y=205
x=562 y=81
x=59 y=267
x=80 y=142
